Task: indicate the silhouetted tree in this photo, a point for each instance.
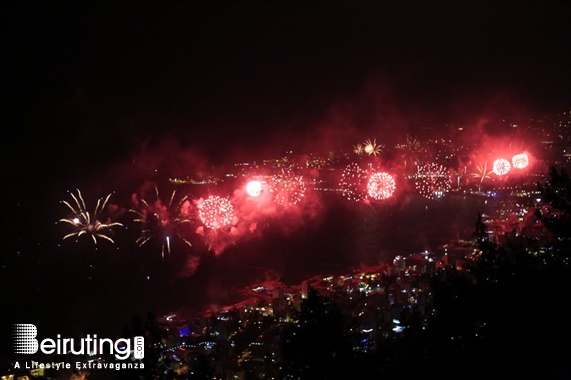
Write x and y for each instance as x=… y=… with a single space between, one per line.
x=203 y=369
x=320 y=346
x=507 y=308
x=556 y=213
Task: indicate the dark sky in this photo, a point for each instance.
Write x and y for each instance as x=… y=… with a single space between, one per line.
x=102 y=77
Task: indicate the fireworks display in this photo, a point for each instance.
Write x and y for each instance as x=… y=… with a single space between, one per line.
x=162 y=221
x=327 y=190
x=381 y=186
x=287 y=188
x=411 y=151
x=169 y=224
x=254 y=188
x=371 y=147
x=501 y=167
x=216 y=212
x=412 y=143
x=520 y=161
x=432 y=181
x=482 y=173
x=85 y=224
x=353 y=182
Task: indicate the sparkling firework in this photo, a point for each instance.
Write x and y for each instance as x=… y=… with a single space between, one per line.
x=162 y=221
x=520 y=161
x=332 y=156
x=381 y=186
x=358 y=149
x=254 y=188
x=287 y=188
x=412 y=143
x=216 y=212
x=371 y=147
x=501 y=167
x=86 y=224
x=411 y=150
x=433 y=181
x=483 y=173
x=353 y=182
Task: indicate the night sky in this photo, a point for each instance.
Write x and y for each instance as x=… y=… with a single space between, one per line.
x=100 y=94
x=98 y=80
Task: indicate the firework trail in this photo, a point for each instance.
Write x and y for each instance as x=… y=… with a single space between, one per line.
x=86 y=224
x=162 y=221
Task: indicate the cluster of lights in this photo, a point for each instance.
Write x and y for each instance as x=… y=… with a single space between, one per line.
x=353 y=181
x=432 y=181
x=287 y=188
x=502 y=166
x=216 y=212
x=381 y=186
x=520 y=161
x=254 y=188
x=160 y=220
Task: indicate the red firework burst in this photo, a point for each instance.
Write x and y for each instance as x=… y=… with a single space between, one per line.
x=381 y=186
x=216 y=212
x=501 y=167
x=254 y=188
x=353 y=181
x=520 y=161
x=287 y=188
x=162 y=221
x=433 y=181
